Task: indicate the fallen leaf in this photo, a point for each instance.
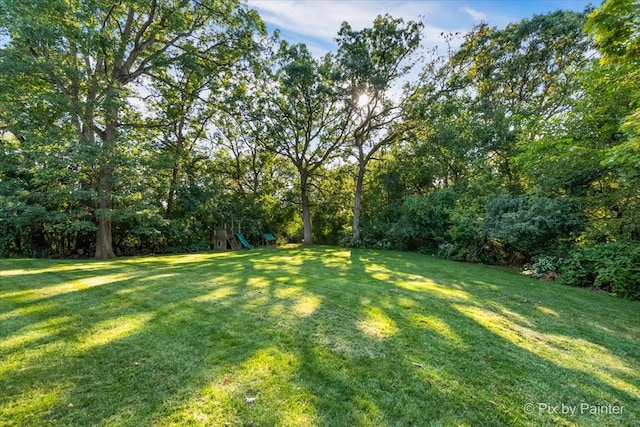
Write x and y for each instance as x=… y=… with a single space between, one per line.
x=227 y=380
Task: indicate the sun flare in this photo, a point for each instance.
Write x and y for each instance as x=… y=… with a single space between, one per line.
x=363 y=100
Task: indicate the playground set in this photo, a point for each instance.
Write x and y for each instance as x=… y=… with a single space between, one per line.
x=225 y=239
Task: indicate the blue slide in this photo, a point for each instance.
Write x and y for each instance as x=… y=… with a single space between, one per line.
x=244 y=241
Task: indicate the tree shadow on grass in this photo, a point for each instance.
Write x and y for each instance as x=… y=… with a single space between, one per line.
x=316 y=336
x=511 y=344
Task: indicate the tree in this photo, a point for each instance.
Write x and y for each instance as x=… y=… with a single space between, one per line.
x=258 y=181
x=519 y=78
x=616 y=29
x=307 y=120
x=89 y=56
x=373 y=62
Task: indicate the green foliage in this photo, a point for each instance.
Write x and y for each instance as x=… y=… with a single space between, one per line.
x=465 y=239
x=81 y=63
x=543 y=265
x=423 y=222
x=517 y=79
x=331 y=213
x=516 y=147
x=611 y=267
x=297 y=100
x=617 y=29
x=370 y=63
x=44 y=200
x=528 y=225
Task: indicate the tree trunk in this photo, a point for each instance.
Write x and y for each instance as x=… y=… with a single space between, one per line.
x=172 y=190
x=306 y=210
x=357 y=200
x=104 y=243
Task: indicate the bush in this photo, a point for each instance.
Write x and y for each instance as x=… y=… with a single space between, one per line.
x=611 y=267
x=526 y=225
x=423 y=222
x=543 y=265
x=464 y=234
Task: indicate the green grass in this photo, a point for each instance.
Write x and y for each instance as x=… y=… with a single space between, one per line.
x=320 y=336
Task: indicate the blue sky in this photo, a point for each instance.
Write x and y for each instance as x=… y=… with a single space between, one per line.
x=316 y=22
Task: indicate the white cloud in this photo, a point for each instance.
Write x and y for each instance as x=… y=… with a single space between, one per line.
x=476 y=15
x=321 y=20
x=317 y=22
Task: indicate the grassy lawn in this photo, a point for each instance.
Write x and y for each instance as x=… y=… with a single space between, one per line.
x=302 y=337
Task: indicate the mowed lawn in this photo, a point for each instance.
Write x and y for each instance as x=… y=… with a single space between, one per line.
x=306 y=337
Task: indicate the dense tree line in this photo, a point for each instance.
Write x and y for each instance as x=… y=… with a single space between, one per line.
x=141 y=127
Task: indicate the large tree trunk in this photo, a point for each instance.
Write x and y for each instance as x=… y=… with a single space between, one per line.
x=104 y=242
x=357 y=201
x=306 y=210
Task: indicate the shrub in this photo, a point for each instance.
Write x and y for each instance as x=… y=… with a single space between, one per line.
x=423 y=222
x=464 y=235
x=543 y=265
x=526 y=225
x=611 y=267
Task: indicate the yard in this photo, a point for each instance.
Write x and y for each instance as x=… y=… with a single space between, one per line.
x=309 y=336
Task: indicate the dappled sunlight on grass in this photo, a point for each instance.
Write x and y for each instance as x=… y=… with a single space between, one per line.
x=260 y=386
x=346 y=346
x=427 y=285
x=26 y=310
x=414 y=282
x=378 y=272
x=62 y=267
x=376 y=324
x=34 y=333
x=306 y=305
x=281 y=312
x=547 y=310
x=217 y=294
x=305 y=337
x=571 y=353
x=257 y=282
x=302 y=303
x=288 y=292
x=92 y=281
x=113 y=329
x=31 y=402
x=173 y=260
x=407 y=303
x=154 y=277
x=439 y=326
x=510 y=314
x=132 y=290
x=263 y=265
x=34 y=295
